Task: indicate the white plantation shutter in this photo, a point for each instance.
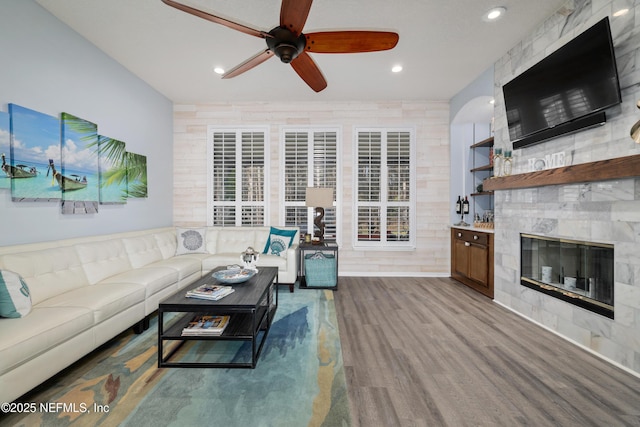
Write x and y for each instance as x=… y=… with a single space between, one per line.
x=398 y=186
x=310 y=160
x=368 y=185
x=237 y=160
x=253 y=176
x=385 y=184
x=325 y=174
x=296 y=178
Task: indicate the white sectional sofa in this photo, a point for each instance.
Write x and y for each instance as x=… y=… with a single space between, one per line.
x=85 y=291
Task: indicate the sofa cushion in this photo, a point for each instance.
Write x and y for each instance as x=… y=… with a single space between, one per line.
x=212 y=240
x=167 y=243
x=103 y=259
x=191 y=241
x=104 y=300
x=220 y=260
x=153 y=279
x=15 y=300
x=48 y=272
x=184 y=265
x=268 y=260
x=279 y=241
x=142 y=250
x=235 y=240
x=48 y=327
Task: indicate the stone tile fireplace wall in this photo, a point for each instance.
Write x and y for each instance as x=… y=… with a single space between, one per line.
x=607 y=211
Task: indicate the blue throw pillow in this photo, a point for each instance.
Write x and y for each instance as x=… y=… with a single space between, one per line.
x=279 y=241
x=15 y=300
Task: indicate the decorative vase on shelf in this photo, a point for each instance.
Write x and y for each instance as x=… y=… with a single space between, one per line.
x=497 y=162
x=507 y=163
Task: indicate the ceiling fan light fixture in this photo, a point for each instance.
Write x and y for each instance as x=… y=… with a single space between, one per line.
x=285 y=44
x=396 y=68
x=218 y=70
x=286 y=52
x=494 y=14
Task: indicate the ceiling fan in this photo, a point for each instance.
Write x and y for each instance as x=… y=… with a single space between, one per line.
x=291 y=45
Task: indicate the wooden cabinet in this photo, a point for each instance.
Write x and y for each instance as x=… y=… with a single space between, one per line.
x=472 y=259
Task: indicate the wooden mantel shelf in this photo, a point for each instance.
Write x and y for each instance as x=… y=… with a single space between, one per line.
x=601 y=170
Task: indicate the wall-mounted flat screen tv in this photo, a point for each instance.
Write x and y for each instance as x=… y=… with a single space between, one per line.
x=566 y=91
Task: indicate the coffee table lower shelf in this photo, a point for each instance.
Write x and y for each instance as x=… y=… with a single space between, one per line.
x=240 y=328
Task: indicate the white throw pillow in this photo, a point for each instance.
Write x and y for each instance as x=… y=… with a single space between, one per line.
x=191 y=241
x=15 y=300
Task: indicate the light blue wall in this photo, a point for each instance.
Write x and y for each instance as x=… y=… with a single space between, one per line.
x=481 y=86
x=49 y=68
x=470 y=119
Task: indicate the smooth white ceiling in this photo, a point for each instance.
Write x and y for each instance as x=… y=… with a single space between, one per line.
x=444 y=46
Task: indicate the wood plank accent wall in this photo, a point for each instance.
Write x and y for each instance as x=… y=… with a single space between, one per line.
x=430 y=119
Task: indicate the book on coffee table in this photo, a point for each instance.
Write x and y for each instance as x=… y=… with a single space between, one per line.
x=210 y=292
x=206 y=325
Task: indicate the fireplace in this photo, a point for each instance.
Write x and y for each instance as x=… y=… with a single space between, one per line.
x=577 y=272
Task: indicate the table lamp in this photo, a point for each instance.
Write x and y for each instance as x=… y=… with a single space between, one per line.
x=319 y=198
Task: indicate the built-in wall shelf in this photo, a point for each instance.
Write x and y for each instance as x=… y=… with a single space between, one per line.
x=484 y=143
x=482 y=193
x=601 y=170
x=482 y=168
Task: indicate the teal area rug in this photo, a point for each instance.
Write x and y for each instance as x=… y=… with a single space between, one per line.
x=299 y=379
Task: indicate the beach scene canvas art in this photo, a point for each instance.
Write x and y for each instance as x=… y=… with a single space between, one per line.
x=65 y=160
x=35 y=139
x=137 y=175
x=5 y=151
x=77 y=176
x=113 y=170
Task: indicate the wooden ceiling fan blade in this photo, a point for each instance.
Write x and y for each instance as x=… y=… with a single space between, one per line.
x=350 y=41
x=217 y=19
x=248 y=64
x=293 y=14
x=308 y=70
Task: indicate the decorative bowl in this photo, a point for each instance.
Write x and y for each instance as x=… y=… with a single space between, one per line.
x=235 y=275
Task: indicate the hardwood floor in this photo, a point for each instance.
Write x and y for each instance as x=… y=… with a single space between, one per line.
x=432 y=352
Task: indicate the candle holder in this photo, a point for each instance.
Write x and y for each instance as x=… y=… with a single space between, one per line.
x=507 y=163
x=497 y=162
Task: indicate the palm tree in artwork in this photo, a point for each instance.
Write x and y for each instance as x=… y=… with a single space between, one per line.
x=137 y=175
x=88 y=130
x=115 y=153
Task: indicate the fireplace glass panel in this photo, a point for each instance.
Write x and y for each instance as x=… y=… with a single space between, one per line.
x=578 y=272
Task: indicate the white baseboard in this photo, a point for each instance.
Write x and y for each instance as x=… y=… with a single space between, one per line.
x=391 y=274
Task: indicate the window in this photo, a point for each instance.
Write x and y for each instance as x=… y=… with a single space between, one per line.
x=310 y=159
x=237 y=175
x=385 y=189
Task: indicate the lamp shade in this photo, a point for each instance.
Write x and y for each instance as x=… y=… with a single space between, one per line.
x=319 y=197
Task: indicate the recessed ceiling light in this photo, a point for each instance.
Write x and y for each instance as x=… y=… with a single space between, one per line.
x=396 y=68
x=494 y=14
x=218 y=70
x=620 y=12
x=492 y=101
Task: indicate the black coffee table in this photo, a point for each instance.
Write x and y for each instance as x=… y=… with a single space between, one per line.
x=252 y=308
